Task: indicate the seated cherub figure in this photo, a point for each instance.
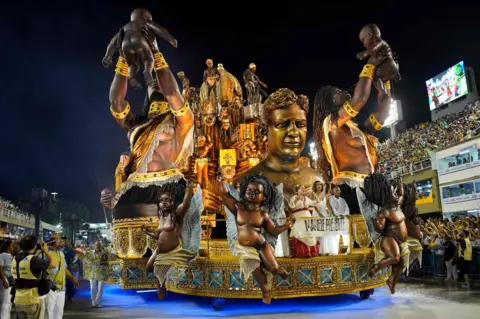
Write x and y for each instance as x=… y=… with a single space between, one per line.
x=251 y=227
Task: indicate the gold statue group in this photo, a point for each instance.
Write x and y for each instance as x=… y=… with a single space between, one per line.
x=193 y=148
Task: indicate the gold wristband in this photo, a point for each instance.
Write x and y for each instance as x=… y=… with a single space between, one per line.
x=368 y=71
x=160 y=62
x=375 y=123
x=184 y=109
x=121 y=115
x=387 y=85
x=349 y=109
x=122 y=67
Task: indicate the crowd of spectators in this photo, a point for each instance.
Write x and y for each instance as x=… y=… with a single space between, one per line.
x=444 y=238
x=409 y=150
x=10 y=211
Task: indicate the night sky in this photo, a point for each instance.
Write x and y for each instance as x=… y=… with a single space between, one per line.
x=57 y=129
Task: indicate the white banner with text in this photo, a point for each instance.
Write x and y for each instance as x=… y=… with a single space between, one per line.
x=320 y=226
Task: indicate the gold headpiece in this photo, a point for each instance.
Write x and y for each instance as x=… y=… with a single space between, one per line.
x=158 y=108
x=181 y=73
x=252 y=65
x=220 y=66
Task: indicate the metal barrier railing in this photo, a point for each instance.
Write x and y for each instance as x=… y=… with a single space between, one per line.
x=411 y=169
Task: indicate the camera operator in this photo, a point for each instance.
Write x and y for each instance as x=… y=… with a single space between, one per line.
x=27 y=271
x=55 y=300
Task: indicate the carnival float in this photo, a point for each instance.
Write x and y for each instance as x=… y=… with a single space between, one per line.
x=210 y=137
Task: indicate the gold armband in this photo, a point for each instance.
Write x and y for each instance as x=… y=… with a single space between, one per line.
x=122 y=67
x=121 y=115
x=375 y=123
x=160 y=62
x=349 y=109
x=387 y=85
x=184 y=109
x=368 y=71
x=158 y=108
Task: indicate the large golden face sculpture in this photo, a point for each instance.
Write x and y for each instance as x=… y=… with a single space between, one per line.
x=287 y=132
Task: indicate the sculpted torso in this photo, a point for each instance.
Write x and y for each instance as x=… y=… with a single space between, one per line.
x=349 y=151
x=165 y=153
x=249 y=224
x=134 y=41
x=395 y=226
x=168 y=235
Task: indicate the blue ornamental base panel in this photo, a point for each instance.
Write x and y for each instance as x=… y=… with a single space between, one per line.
x=331 y=275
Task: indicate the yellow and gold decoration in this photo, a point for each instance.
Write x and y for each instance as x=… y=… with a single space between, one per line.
x=216 y=273
x=121 y=67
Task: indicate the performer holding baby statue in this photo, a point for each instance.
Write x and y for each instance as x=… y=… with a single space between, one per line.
x=150 y=179
x=348 y=152
x=252 y=219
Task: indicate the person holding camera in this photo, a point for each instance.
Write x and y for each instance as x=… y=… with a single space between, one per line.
x=6 y=258
x=55 y=300
x=29 y=270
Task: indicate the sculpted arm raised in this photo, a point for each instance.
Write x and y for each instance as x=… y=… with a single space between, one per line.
x=362 y=91
x=228 y=199
x=162 y=32
x=111 y=48
x=185 y=205
x=120 y=108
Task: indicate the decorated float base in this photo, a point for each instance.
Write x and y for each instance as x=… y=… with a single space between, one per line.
x=220 y=277
x=216 y=273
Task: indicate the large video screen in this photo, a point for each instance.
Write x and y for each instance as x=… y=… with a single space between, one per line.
x=447 y=86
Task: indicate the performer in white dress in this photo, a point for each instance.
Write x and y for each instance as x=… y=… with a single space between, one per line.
x=328 y=244
x=301 y=207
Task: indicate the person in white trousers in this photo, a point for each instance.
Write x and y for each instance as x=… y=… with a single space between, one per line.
x=6 y=278
x=97 y=265
x=55 y=300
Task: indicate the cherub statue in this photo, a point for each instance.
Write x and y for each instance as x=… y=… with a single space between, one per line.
x=387 y=70
x=137 y=41
x=252 y=227
x=380 y=203
x=179 y=229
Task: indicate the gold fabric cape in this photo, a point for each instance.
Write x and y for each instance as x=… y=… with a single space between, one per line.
x=144 y=139
x=352 y=179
